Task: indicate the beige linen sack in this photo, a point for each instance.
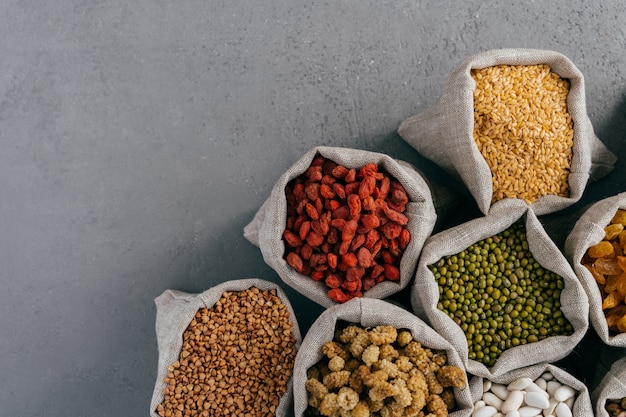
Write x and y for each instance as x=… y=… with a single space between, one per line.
x=589 y=230
x=574 y=304
x=268 y=225
x=444 y=132
x=612 y=386
x=369 y=313
x=175 y=309
x=582 y=405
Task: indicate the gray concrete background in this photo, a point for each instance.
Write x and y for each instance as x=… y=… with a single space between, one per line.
x=139 y=137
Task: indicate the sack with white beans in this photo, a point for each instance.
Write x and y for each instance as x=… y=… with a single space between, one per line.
x=588 y=231
x=540 y=390
x=400 y=358
x=445 y=133
x=611 y=387
x=490 y=301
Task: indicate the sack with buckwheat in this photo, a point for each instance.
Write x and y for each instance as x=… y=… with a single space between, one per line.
x=500 y=291
x=343 y=223
x=368 y=357
x=229 y=350
x=512 y=123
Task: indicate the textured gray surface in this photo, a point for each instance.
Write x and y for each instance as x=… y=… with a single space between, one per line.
x=138 y=138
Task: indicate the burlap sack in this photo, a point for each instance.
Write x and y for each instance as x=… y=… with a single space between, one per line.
x=574 y=304
x=611 y=387
x=268 y=225
x=175 y=309
x=444 y=132
x=589 y=230
x=369 y=313
x=582 y=406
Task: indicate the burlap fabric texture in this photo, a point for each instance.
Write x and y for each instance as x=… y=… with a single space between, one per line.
x=369 y=313
x=268 y=225
x=611 y=387
x=589 y=230
x=582 y=405
x=444 y=132
x=175 y=309
x=574 y=304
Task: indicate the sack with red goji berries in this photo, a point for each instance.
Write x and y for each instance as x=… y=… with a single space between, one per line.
x=227 y=351
x=369 y=356
x=344 y=223
x=611 y=387
x=500 y=290
x=512 y=123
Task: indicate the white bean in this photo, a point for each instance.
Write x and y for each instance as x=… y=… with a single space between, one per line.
x=513 y=402
x=519 y=384
x=500 y=390
x=486 y=411
x=562 y=410
x=552 y=387
x=563 y=393
x=529 y=411
x=537 y=399
x=512 y=413
x=541 y=383
x=492 y=399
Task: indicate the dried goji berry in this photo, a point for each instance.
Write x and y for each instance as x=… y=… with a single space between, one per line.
x=312 y=191
x=354 y=204
x=371 y=238
x=352 y=188
x=355 y=273
x=339 y=224
x=317 y=259
x=332 y=281
x=376 y=247
x=337 y=295
x=383 y=190
x=298 y=192
x=350 y=176
x=333 y=236
x=395 y=216
x=342 y=212
x=318 y=161
x=319 y=206
x=367 y=170
x=300 y=208
x=357 y=242
x=339 y=171
x=292 y=239
x=314 y=173
x=391 y=272
x=316 y=227
x=332 y=260
x=387 y=257
x=317 y=275
x=328 y=180
x=314 y=239
x=367 y=187
x=349 y=259
x=364 y=257
x=368 y=203
x=404 y=238
x=312 y=211
x=291 y=221
x=326 y=191
x=349 y=230
x=325 y=247
x=294 y=261
x=391 y=230
x=325 y=223
x=399 y=196
x=352 y=286
x=376 y=271
x=369 y=221
x=368 y=283
x=333 y=205
x=306 y=252
x=328 y=166
x=305 y=227
x=344 y=247
x=339 y=190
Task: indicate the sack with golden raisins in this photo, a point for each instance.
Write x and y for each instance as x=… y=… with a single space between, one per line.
x=371 y=357
x=596 y=248
x=229 y=350
x=512 y=123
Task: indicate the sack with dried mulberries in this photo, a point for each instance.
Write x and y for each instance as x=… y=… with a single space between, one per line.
x=512 y=123
x=228 y=350
x=303 y=227
x=612 y=386
x=501 y=292
x=599 y=232
x=369 y=356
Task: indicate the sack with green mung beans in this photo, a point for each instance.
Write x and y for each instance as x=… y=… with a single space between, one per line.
x=612 y=385
x=500 y=291
x=588 y=231
x=513 y=123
